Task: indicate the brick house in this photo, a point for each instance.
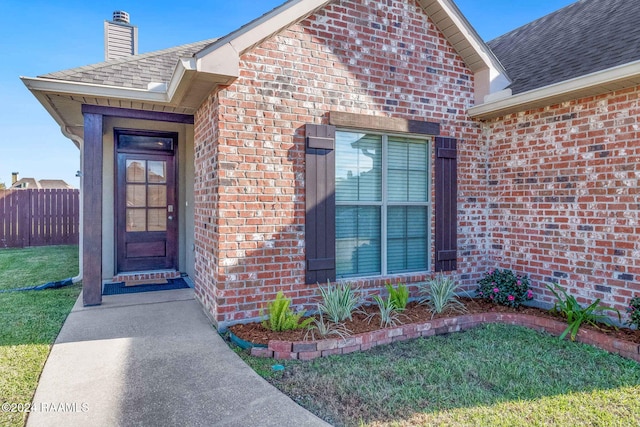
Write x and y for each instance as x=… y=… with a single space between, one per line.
x=362 y=140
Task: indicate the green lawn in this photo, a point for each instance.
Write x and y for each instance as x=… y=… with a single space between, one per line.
x=494 y=375
x=30 y=321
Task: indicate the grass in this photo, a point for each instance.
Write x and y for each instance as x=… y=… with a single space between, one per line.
x=30 y=321
x=35 y=266
x=494 y=375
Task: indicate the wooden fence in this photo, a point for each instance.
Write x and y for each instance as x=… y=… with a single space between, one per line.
x=39 y=218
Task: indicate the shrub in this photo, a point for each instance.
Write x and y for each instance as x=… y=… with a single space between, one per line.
x=439 y=294
x=576 y=315
x=326 y=328
x=282 y=318
x=338 y=301
x=504 y=287
x=399 y=296
x=634 y=312
x=389 y=315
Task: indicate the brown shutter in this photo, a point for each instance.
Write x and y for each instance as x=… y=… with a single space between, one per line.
x=446 y=204
x=320 y=220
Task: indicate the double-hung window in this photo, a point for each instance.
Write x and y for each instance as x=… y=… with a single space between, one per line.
x=382 y=204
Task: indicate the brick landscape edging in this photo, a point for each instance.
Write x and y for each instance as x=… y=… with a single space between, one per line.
x=308 y=350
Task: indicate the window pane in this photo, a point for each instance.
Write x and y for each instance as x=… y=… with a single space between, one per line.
x=358 y=167
x=408 y=161
x=357 y=240
x=136 y=171
x=136 y=220
x=157 y=220
x=407 y=238
x=143 y=142
x=157 y=172
x=136 y=196
x=397 y=170
x=157 y=196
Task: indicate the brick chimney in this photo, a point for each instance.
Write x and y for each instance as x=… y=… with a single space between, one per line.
x=14 y=177
x=120 y=37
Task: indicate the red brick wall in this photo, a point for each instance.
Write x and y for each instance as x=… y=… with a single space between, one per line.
x=367 y=57
x=564 y=196
x=206 y=196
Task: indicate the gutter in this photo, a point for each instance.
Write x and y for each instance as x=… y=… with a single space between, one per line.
x=40 y=84
x=596 y=83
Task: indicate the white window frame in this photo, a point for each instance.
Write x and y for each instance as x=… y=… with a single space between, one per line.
x=385 y=203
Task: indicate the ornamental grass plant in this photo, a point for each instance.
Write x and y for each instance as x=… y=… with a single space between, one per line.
x=339 y=300
x=439 y=294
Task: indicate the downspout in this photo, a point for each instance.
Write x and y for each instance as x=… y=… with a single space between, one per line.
x=486 y=136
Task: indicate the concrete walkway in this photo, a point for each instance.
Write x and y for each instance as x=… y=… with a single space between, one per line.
x=153 y=359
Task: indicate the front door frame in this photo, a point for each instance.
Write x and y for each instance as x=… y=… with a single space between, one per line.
x=91 y=188
x=170 y=236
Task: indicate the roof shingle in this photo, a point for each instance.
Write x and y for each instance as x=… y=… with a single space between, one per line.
x=132 y=72
x=582 y=38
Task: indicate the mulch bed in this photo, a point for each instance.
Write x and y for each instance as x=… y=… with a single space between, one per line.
x=416 y=313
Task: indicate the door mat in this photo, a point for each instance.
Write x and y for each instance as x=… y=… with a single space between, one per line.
x=146 y=282
x=121 y=288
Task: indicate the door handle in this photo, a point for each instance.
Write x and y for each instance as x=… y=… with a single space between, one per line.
x=170 y=218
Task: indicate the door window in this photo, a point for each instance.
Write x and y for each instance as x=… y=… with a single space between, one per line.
x=146 y=196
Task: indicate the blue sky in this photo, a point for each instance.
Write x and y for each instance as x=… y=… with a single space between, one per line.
x=40 y=36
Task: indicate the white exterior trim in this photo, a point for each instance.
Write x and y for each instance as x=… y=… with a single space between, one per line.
x=591 y=84
x=223 y=56
x=262 y=28
x=498 y=78
x=40 y=84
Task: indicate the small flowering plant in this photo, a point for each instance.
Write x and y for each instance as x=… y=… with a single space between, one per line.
x=634 y=312
x=504 y=287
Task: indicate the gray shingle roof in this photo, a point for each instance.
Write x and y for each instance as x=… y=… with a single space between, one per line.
x=132 y=72
x=582 y=38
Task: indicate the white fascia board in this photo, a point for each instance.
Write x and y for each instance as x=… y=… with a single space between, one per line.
x=183 y=66
x=224 y=61
x=498 y=75
x=87 y=89
x=265 y=26
x=520 y=101
x=223 y=56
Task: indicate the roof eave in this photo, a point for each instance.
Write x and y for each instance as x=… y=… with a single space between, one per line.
x=609 y=80
x=190 y=84
x=250 y=35
x=472 y=48
x=490 y=75
x=187 y=89
x=45 y=85
x=223 y=56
